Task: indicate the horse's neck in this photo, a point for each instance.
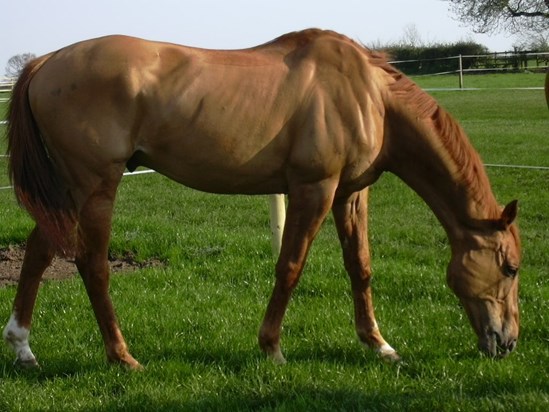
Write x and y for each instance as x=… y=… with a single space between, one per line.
x=439 y=163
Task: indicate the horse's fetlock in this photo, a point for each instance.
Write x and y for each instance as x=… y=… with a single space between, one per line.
x=17 y=337
x=271 y=347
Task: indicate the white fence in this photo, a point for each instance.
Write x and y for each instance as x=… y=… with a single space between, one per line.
x=475 y=64
x=6 y=84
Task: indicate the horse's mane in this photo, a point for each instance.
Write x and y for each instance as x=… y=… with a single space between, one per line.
x=468 y=164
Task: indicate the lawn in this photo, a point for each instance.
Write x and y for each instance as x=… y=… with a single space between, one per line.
x=193 y=323
x=484 y=81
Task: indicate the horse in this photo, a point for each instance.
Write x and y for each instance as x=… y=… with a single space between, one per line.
x=311 y=114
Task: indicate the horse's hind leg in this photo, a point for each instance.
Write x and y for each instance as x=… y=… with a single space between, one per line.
x=351 y=218
x=92 y=262
x=38 y=256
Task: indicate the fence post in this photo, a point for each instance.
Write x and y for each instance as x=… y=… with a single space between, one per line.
x=460 y=72
x=278 y=216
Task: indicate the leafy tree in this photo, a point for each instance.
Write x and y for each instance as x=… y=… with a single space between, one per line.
x=17 y=63
x=512 y=16
x=536 y=42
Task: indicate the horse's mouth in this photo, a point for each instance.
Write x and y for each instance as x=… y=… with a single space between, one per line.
x=494 y=346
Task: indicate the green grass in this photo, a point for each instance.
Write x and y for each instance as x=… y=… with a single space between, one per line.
x=484 y=81
x=502 y=137
x=193 y=324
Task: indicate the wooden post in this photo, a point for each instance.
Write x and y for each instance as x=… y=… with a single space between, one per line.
x=460 y=72
x=547 y=88
x=278 y=217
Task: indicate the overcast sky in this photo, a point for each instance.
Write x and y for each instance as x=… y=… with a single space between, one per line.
x=41 y=26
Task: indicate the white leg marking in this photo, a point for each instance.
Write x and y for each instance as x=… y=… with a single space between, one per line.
x=387 y=353
x=385 y=349
x=18 y=338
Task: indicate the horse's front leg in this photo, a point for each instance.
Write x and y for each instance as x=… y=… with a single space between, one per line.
x=38 y=256
x=307 y=207
x=351 y=218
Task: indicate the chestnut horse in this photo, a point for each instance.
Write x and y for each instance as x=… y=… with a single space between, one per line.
x=311 y=114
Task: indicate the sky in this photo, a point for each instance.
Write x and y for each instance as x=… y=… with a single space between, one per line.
x=41 y=26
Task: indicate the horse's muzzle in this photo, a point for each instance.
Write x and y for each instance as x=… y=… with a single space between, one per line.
x=496 y=346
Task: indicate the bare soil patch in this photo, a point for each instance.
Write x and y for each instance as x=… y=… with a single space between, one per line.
x=11 y=260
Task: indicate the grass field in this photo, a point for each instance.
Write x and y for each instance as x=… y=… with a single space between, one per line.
x=193 y=324
x=484 y=81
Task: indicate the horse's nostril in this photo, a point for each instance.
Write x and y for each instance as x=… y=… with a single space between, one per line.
x=512 y=345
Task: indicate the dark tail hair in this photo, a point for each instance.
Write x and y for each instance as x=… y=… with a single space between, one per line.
x=38 y=186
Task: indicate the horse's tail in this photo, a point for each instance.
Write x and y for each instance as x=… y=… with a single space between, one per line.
x=38 y=186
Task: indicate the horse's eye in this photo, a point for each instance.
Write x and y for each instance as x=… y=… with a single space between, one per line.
x=510 y=270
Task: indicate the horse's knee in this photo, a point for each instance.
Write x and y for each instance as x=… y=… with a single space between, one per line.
x=287 y=275
x=92 y=265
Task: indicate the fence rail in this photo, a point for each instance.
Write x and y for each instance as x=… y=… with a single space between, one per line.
x=6 y=85
x=470 y=64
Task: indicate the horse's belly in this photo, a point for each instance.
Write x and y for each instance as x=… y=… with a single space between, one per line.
x=219 y=176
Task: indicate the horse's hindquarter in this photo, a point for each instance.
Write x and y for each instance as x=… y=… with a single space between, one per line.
x=219 y=121
x=84 y=101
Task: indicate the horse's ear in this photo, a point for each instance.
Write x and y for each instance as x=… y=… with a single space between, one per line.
x=509 y=214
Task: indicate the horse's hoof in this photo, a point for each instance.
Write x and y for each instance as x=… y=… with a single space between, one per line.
x=126 y=360
x=388 y=354
x=275 y=355
x=131 y=364
x=137 y=367
x=277 y=358
x=31 y=363
x=391 y=357
x=271 y=347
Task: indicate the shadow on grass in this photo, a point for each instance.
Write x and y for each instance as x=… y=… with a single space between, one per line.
x=232 y=360
x=250 y=383
x=303 y=399
x=50 y=369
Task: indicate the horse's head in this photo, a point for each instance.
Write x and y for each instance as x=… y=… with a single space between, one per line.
x=483 y=273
